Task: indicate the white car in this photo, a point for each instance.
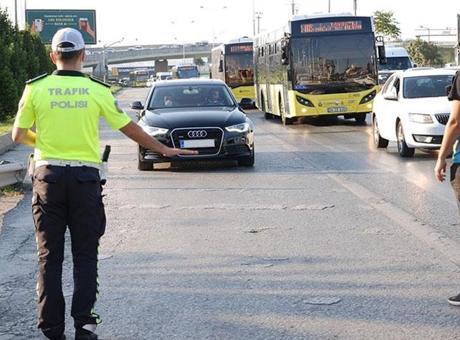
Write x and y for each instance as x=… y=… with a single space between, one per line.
x=412 y=109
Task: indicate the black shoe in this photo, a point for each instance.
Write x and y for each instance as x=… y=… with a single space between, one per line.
x=454 y=300
x=83 y=334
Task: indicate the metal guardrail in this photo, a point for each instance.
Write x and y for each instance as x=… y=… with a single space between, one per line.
x=11 y=173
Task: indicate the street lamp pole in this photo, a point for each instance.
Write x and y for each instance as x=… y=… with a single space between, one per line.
x=16 y=13
x=215 y=9
x=104 y=57
x=258 y=17
x=253 y=18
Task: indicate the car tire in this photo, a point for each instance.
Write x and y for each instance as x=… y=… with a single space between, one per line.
x=144 y=166
x=379 y=141
x=247 y=161
x=360 y=118
x=403 y=149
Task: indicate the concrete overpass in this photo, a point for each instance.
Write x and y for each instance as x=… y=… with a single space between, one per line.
x=99 y=59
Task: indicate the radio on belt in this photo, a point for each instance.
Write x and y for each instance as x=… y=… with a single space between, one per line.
x=104 y=167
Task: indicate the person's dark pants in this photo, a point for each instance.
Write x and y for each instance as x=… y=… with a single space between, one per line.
x=67 y=196
x=455 y=181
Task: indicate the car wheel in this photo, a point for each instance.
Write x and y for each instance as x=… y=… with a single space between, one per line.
x=403 y=149
x=247 y=161
x=144 y=166
x=379 y=142
x=285 y=120
x=360 y=118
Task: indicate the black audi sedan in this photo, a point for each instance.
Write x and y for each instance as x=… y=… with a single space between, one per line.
x=198 y=114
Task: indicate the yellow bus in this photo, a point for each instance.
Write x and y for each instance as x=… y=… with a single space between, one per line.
x=233 y=63
x=323 y=65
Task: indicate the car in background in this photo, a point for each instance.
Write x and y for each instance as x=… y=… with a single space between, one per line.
x=412 y=109
x=397 y=59
x=198 y=114
x=124 y=82
x=163 y=75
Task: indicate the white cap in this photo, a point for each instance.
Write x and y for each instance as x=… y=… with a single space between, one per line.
x=70 y=36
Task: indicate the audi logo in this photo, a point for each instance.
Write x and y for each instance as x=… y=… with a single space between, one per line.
x=197 y=134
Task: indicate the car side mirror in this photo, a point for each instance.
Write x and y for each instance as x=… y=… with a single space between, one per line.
x=137 y=105
x=391 y=94
x=246 y=103
x=448 y=89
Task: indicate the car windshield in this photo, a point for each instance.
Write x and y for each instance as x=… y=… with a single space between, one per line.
x=426 y=86
x=181 y=96
x=396 y=63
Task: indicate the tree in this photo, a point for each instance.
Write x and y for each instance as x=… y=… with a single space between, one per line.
x=424 y=53
x=386 y=24
x=22 y=56
x=199 y=61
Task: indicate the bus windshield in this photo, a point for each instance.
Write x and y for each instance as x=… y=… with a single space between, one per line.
x=186 y=72
x=333 y=64
x=239 y=70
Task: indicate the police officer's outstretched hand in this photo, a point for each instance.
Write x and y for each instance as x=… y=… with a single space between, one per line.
x=133 y=131
x=175 y=152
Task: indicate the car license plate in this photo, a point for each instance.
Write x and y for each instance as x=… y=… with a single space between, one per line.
x=197 y=143
x=337 y=109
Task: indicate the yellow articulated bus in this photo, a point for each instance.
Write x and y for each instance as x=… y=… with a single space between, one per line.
x=233 y=63
x=323 y=65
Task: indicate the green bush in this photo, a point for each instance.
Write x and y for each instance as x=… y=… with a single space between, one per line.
x=22 y=56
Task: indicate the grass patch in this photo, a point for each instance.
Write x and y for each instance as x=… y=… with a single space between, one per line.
x=12 y=190
x=6 y=125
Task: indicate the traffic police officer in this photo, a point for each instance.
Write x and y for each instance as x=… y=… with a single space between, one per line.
x=65 y=108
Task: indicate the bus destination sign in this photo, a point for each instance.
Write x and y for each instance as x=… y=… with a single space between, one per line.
x=334 y=26
x=241 y=48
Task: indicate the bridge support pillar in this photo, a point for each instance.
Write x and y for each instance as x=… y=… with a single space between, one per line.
x=161 y=65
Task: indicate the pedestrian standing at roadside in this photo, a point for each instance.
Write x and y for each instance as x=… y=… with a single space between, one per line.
x=65 y=108
x=452 y=139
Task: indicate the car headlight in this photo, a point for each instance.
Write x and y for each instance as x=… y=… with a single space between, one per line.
x=368 y=97
x=154 y=131
x=243 y=127
x=304 y=101
x=422 y=118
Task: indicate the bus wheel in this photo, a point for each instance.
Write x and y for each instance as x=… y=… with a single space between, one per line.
x=360 y=118
x=262 y=107
x=285 y=120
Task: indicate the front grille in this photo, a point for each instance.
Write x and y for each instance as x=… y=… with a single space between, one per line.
x=211 y=133
x=442 y=118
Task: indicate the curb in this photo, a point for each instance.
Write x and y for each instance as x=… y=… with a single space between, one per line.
x=6 y=143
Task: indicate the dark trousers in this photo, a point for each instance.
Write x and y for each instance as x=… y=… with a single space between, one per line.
x=65 y=196
x=455 y=181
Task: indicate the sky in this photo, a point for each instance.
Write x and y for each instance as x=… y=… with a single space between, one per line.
x=142 y=22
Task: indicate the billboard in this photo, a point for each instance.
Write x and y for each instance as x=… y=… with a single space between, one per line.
x=46 y=22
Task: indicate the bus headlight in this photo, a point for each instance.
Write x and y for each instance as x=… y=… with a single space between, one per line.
x=243 y=127
x=304 y=101
x=422 y=118
x=368 y=97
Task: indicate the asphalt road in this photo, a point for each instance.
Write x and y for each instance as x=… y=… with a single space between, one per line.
x=324 y=238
